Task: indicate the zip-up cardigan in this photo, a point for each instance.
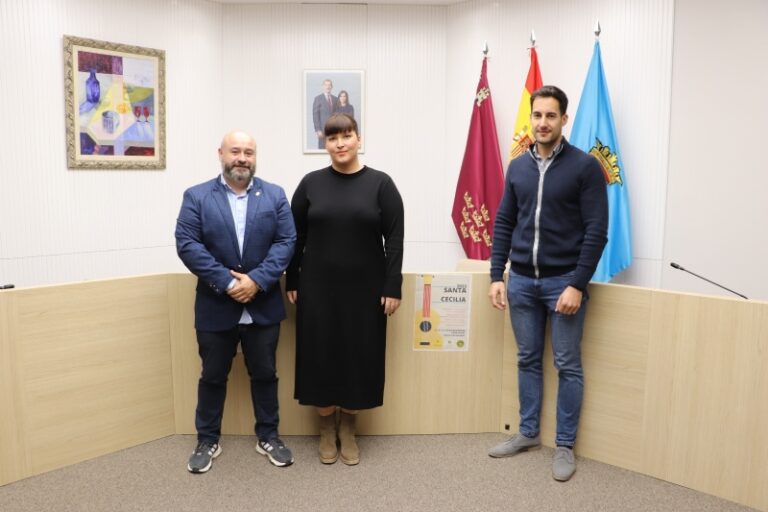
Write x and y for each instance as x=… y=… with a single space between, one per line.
x=553 y=222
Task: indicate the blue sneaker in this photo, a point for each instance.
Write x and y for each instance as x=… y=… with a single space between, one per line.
x=201 y=459
x=276 y=451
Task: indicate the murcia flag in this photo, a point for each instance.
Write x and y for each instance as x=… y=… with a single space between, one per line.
x=481 y=180
x=523 y=136
x=594 y=132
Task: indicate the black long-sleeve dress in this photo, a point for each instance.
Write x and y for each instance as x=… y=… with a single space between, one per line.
x=349 y=254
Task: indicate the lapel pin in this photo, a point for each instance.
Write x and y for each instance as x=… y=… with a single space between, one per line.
x=258 y=193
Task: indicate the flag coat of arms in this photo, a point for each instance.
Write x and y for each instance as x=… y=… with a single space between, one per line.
x=594 y=132
x=523 y=136
x=481 y=180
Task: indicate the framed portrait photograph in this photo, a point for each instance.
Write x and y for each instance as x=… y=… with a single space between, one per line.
x=115 y=105
x=327 y=92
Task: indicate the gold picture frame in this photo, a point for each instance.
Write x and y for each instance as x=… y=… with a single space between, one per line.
x=115 y=105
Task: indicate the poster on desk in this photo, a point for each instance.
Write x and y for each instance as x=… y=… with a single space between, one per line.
x=441 y=320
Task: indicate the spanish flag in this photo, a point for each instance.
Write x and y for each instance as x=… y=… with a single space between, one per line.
x=523 y=136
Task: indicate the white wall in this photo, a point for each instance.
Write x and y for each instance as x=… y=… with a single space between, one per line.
x=636 y=44
x=717 y=207
x=402 y=51
x=240 y=66
x=58 y=225
x=422 y=66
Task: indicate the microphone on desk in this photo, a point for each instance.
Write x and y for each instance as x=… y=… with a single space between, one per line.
x=678 y=267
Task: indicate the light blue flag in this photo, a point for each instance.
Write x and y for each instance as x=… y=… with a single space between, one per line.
x=594 y=132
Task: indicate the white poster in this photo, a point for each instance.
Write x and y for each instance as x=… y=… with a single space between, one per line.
x=442 y=312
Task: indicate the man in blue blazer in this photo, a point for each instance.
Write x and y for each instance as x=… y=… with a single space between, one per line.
x=236 y=234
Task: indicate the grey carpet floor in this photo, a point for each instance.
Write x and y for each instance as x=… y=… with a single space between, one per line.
x=397 y=473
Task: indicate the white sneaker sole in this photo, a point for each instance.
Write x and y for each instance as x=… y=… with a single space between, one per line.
x=210 y=463
x=274 y=461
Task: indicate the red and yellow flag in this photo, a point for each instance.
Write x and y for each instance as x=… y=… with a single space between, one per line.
x=523 y=136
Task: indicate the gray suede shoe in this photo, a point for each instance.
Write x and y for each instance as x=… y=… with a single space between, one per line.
x=563 y=464
x=514 y=445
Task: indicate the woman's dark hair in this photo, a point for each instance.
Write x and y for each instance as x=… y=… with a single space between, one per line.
x=340 y=123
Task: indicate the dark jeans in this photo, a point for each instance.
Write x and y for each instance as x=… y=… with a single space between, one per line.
x=217 y=349
x=531 y=302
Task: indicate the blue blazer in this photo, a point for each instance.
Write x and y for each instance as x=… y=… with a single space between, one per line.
x=206 y=241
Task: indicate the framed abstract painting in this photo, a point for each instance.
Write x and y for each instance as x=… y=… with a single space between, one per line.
x=115 y=105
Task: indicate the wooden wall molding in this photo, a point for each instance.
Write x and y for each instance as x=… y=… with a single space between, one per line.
x=675 y=384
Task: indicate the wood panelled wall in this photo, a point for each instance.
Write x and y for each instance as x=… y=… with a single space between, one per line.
x=675 y=383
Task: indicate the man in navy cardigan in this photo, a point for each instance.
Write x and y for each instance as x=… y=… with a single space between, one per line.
x=236 y=234
x=552 y=225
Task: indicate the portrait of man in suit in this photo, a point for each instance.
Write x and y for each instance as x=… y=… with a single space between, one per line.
x=236 y=234
x=324 y=105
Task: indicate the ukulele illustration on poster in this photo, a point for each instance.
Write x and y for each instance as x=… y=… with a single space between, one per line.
x=441 y=317
x=427 y=321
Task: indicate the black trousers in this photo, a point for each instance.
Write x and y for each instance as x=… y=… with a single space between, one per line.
x=217 y=350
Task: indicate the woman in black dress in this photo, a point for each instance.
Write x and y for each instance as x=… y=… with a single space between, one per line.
x=345 y=280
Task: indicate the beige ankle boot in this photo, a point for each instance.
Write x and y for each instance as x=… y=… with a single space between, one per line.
x=350 y=453
x=328 y=451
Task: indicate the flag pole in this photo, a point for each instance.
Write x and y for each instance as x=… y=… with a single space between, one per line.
x=594 y=132
x=522 y=136
x=481 y=178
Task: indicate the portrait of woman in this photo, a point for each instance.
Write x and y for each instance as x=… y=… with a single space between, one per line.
x=343 y=106
x=345 y=279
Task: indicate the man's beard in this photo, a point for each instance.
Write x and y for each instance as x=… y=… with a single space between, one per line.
x=238 y=174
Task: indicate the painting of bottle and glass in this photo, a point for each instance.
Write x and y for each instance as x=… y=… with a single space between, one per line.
x=115 y=105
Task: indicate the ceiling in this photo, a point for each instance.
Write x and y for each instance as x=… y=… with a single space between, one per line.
x=356 y=2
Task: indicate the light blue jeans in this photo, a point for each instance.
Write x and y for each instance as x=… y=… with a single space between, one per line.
x=531 y=302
